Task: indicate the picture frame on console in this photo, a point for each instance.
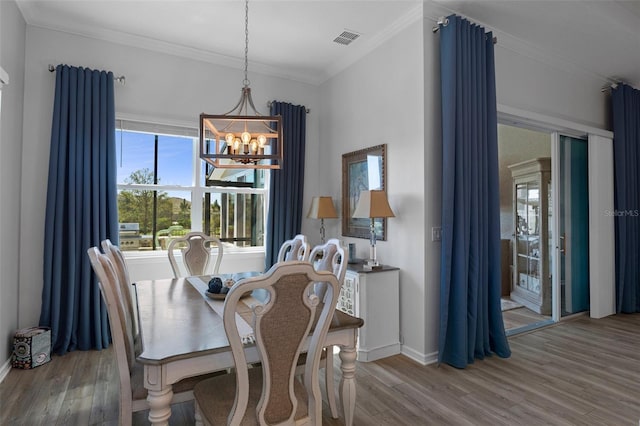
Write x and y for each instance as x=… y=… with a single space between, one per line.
x=362 y=170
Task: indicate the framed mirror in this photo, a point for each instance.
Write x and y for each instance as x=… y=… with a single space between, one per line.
x=361 y=171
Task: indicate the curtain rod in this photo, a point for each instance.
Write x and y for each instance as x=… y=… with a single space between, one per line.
x=307 y=110
x=120 y=79
x=609 y=86
x=613 y=84
x=445 y=21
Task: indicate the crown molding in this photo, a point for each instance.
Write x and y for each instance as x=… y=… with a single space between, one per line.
x=151 y=44
x=427 y=10
x=146 y=43
x=359 y=50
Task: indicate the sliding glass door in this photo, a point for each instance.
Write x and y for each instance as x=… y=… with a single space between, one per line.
x=573 y=226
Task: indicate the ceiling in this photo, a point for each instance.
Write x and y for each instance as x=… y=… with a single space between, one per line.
x=294 y=39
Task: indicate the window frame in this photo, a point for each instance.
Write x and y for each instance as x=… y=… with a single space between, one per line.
x=198 y=189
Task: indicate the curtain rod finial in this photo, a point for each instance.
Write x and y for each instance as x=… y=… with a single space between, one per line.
x=441 y=21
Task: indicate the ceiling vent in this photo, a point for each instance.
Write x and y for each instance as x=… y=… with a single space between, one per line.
x=346 y=37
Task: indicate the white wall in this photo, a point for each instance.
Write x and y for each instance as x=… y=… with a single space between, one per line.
x=380 y=100
x=433 y=189
x=372 y=102
x=12 y=43
x=524 y=83
x=159 y=87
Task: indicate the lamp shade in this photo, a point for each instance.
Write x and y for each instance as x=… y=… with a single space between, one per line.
x=322 y=208
x=373 y=204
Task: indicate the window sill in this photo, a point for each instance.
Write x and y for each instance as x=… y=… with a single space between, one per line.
x=163 y=254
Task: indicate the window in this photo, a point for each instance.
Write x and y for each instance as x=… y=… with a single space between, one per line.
x=165 y=191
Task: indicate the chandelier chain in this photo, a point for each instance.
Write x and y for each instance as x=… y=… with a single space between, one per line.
x=246 y=43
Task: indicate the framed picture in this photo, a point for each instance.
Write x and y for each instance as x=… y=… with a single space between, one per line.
x=361 y=171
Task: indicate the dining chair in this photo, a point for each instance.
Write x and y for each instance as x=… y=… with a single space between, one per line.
x=133 y=395
x=327 y=257
x=127 y=290
x=271 y=394
x=296 y=248
x=197 y=251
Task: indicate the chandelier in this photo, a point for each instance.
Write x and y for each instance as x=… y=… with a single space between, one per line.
x=242 y=139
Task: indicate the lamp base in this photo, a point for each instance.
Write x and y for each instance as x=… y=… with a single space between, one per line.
x=371 y=264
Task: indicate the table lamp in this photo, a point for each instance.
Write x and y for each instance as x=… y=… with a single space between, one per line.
x=373 y=204
x=322 y=208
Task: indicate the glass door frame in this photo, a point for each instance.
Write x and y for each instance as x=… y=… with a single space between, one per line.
x=556 y=289
x=557 y=244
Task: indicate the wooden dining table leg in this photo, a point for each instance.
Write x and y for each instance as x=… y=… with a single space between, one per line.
x=160 y=406
x=348 y=382
x=159 y=395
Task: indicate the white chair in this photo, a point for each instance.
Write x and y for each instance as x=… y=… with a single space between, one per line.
x=126 y=288
x=197 y=251
x=296 y=248
x=328 y=257
x=133 y=395
x=270 y=394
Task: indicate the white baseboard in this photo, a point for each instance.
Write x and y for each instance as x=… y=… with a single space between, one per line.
x=419 y=357
x=378 y=353
x=6 y=367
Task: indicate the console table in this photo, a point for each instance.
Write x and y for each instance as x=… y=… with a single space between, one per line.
x=374 y=296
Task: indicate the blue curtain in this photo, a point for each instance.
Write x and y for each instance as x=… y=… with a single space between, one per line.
x=81 y=207
x=626 y=157
x=470 y=315
x=284 y=218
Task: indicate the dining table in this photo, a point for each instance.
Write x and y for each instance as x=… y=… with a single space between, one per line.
x=183 y=336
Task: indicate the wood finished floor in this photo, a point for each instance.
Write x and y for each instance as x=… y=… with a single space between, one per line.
x=580 y=372
x=521 y=317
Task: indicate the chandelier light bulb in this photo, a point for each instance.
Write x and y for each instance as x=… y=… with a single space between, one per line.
x=262 y=141
x=246 y=137
x=229 y=138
